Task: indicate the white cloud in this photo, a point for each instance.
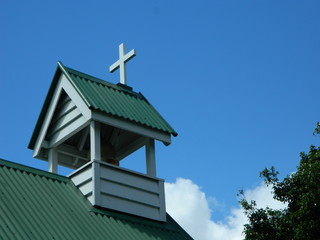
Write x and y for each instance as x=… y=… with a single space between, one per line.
x=189 y=206
x=263 y=197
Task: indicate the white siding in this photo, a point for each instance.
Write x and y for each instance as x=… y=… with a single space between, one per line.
x=123 y=190
x=67 y=120
x=83 y=180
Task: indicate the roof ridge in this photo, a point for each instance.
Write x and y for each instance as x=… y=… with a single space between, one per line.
x=89 y=77
x=118 y=87
x=32 y=170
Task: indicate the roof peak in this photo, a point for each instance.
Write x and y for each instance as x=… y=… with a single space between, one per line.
x=119 y=86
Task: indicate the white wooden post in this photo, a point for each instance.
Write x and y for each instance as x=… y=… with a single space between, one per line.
x=95 y=152
x=151 y=158
x=53 y=160
x=95 y=146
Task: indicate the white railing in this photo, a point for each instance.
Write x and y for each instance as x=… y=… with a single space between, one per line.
x=121 y=189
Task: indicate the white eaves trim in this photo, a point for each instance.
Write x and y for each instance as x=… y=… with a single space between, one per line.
x=63 y=84
x=132 y=127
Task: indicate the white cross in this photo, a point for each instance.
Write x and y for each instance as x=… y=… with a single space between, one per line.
x=123 y=58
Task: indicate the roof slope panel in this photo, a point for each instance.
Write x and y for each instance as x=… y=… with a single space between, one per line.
x=35 y=204
x=118 y=100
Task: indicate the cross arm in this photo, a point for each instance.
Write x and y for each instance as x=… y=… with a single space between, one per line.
x=114 y=66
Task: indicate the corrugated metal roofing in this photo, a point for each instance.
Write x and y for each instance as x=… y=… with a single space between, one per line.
x=35 y=204
x=118 y=100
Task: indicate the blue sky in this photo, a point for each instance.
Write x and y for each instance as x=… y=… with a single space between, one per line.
x=238 y=80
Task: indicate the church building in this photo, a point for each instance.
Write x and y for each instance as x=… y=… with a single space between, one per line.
x=89 y=125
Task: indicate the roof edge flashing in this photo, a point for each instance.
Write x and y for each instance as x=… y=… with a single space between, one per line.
x=32 y=170
x=45 y=106
x=63 y=69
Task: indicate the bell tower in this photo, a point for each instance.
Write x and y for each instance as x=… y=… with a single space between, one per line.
x=90 y=125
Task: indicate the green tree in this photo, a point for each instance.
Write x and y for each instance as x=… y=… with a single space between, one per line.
x=300 y=220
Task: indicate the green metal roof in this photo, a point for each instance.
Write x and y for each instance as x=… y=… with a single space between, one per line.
x=114 y=99
x=35 y=204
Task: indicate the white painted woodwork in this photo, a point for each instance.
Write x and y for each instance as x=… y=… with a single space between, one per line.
x=122 y=190
x=82 y=178
x=130 y=148
x=75 y=97
x=81 y=116
x=45 y=144
x=72 y=152
x=121 y=63
x=47 y=119
x=67 y=121
x=70 y=157
x=151 y=158
x=132 y=127
x=77 y=125
x=96 y=184
x=83 y=139
x=53 y=160
x=95 y=145
x=64 y=120
x=95 y=151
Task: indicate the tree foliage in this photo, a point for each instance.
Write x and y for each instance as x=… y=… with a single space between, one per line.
x=301 y=192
